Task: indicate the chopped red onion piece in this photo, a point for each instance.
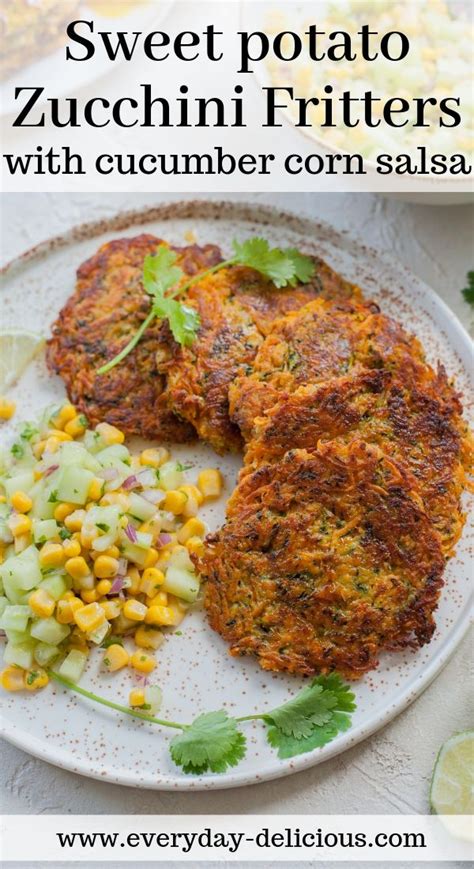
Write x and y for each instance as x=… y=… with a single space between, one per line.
x=154 y=496
x=131 y=482
x=131 y=533
x=164 y=539
x=147 y=477
x=117 y=585
x=122 y=567
x=108 y=474
x=50 y=470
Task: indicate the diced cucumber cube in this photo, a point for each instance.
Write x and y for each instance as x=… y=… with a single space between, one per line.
x=181 y=583
x=44 y=530
x=112 y=454
x=49 y=631
x=180 y=558
x=21 y=572
x=73 y=484
x=15 y=618
x=153 y=698
x=3 y=604
x=106 y=519
x=93 y=441
x=6 y=535
x=140 y=508
x=99 y=634
x=56 y=584
x=16 y=638
x=73 y=665
x=23 y=482
x=44 y=498
x=21 y=655
x=44 y=653
x=170 y=476
x=134 y=553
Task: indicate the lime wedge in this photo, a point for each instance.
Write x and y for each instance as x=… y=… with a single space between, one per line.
x=452 y=785
x=17 y=349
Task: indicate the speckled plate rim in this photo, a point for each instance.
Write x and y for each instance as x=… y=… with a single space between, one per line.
x=414 y=686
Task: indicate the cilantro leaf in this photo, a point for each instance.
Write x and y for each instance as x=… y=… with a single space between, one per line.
x=289 y=746
x=344 y=696
x=283 y=267
x=29 y=431
x=183 y=320
x=17 y=451
x=312 y=706
x=211 y=743
x=468 y=292
x=160 y=271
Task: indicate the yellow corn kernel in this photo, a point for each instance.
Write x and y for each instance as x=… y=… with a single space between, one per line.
x=37 y=474
x=151 y=581
x=118 y=498
x=195 y=546
x=63 y=510
x=105 y=567
x=88 y=535
x=12 y=679
x=175 y=501
x=21 y=542
x=89 y=595
x=75 y=520
x=160 y=615
x=193 y=492
x=115 y=657
x=67 y=412
x=103 y=587
x=58 y=434
x=68 y=595
x=192 y=528
x=21 y=502
x=95 y=489
x=51 y=445
x=135 y=579
x=38 y=449
x=112 y=552
x=52 y=555
x=159 y=599
x=3 y=499
x=37 y=678
x=151 y=558
x=110 y=434
x=148 y=638
x=71 y=548
x=90 y=617
x=210 y=483
x=76 y=426
x=136 y=697
x=178 y=611
x=7 y=409
x=41 y=603
x=77 y=567
x=134 y=610
x=154 y=458
x=143 y=662
x=19 y=524
x=111 y=608
x=66 y=608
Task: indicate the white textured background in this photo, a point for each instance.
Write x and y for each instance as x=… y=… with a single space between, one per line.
x=389 y=772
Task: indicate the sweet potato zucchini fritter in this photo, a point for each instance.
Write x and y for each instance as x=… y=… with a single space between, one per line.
x=237 y=307
x=104 y=312
x=325 y=339
x=411 y=424
x=325 y=560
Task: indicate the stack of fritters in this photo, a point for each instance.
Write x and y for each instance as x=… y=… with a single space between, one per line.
x=356 y=453
x=349 y=500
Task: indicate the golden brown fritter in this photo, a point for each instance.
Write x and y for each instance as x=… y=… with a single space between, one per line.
x=326 y=559
x=104 y=312
x=236 y=306
x=325 y=339
x=423 y=432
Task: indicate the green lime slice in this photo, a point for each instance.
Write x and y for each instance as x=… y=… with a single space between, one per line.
x=17 y=349
x=452 y=785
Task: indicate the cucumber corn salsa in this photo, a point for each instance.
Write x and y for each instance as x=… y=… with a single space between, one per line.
x=95 y=546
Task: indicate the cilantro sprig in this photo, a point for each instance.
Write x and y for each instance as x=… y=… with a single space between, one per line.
x=214 y=741
x=163 y=280
x=468 y=292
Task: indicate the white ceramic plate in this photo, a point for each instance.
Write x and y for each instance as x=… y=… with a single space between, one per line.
x=195 y=671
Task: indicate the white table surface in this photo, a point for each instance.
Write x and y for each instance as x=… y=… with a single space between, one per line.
x=389 y=772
